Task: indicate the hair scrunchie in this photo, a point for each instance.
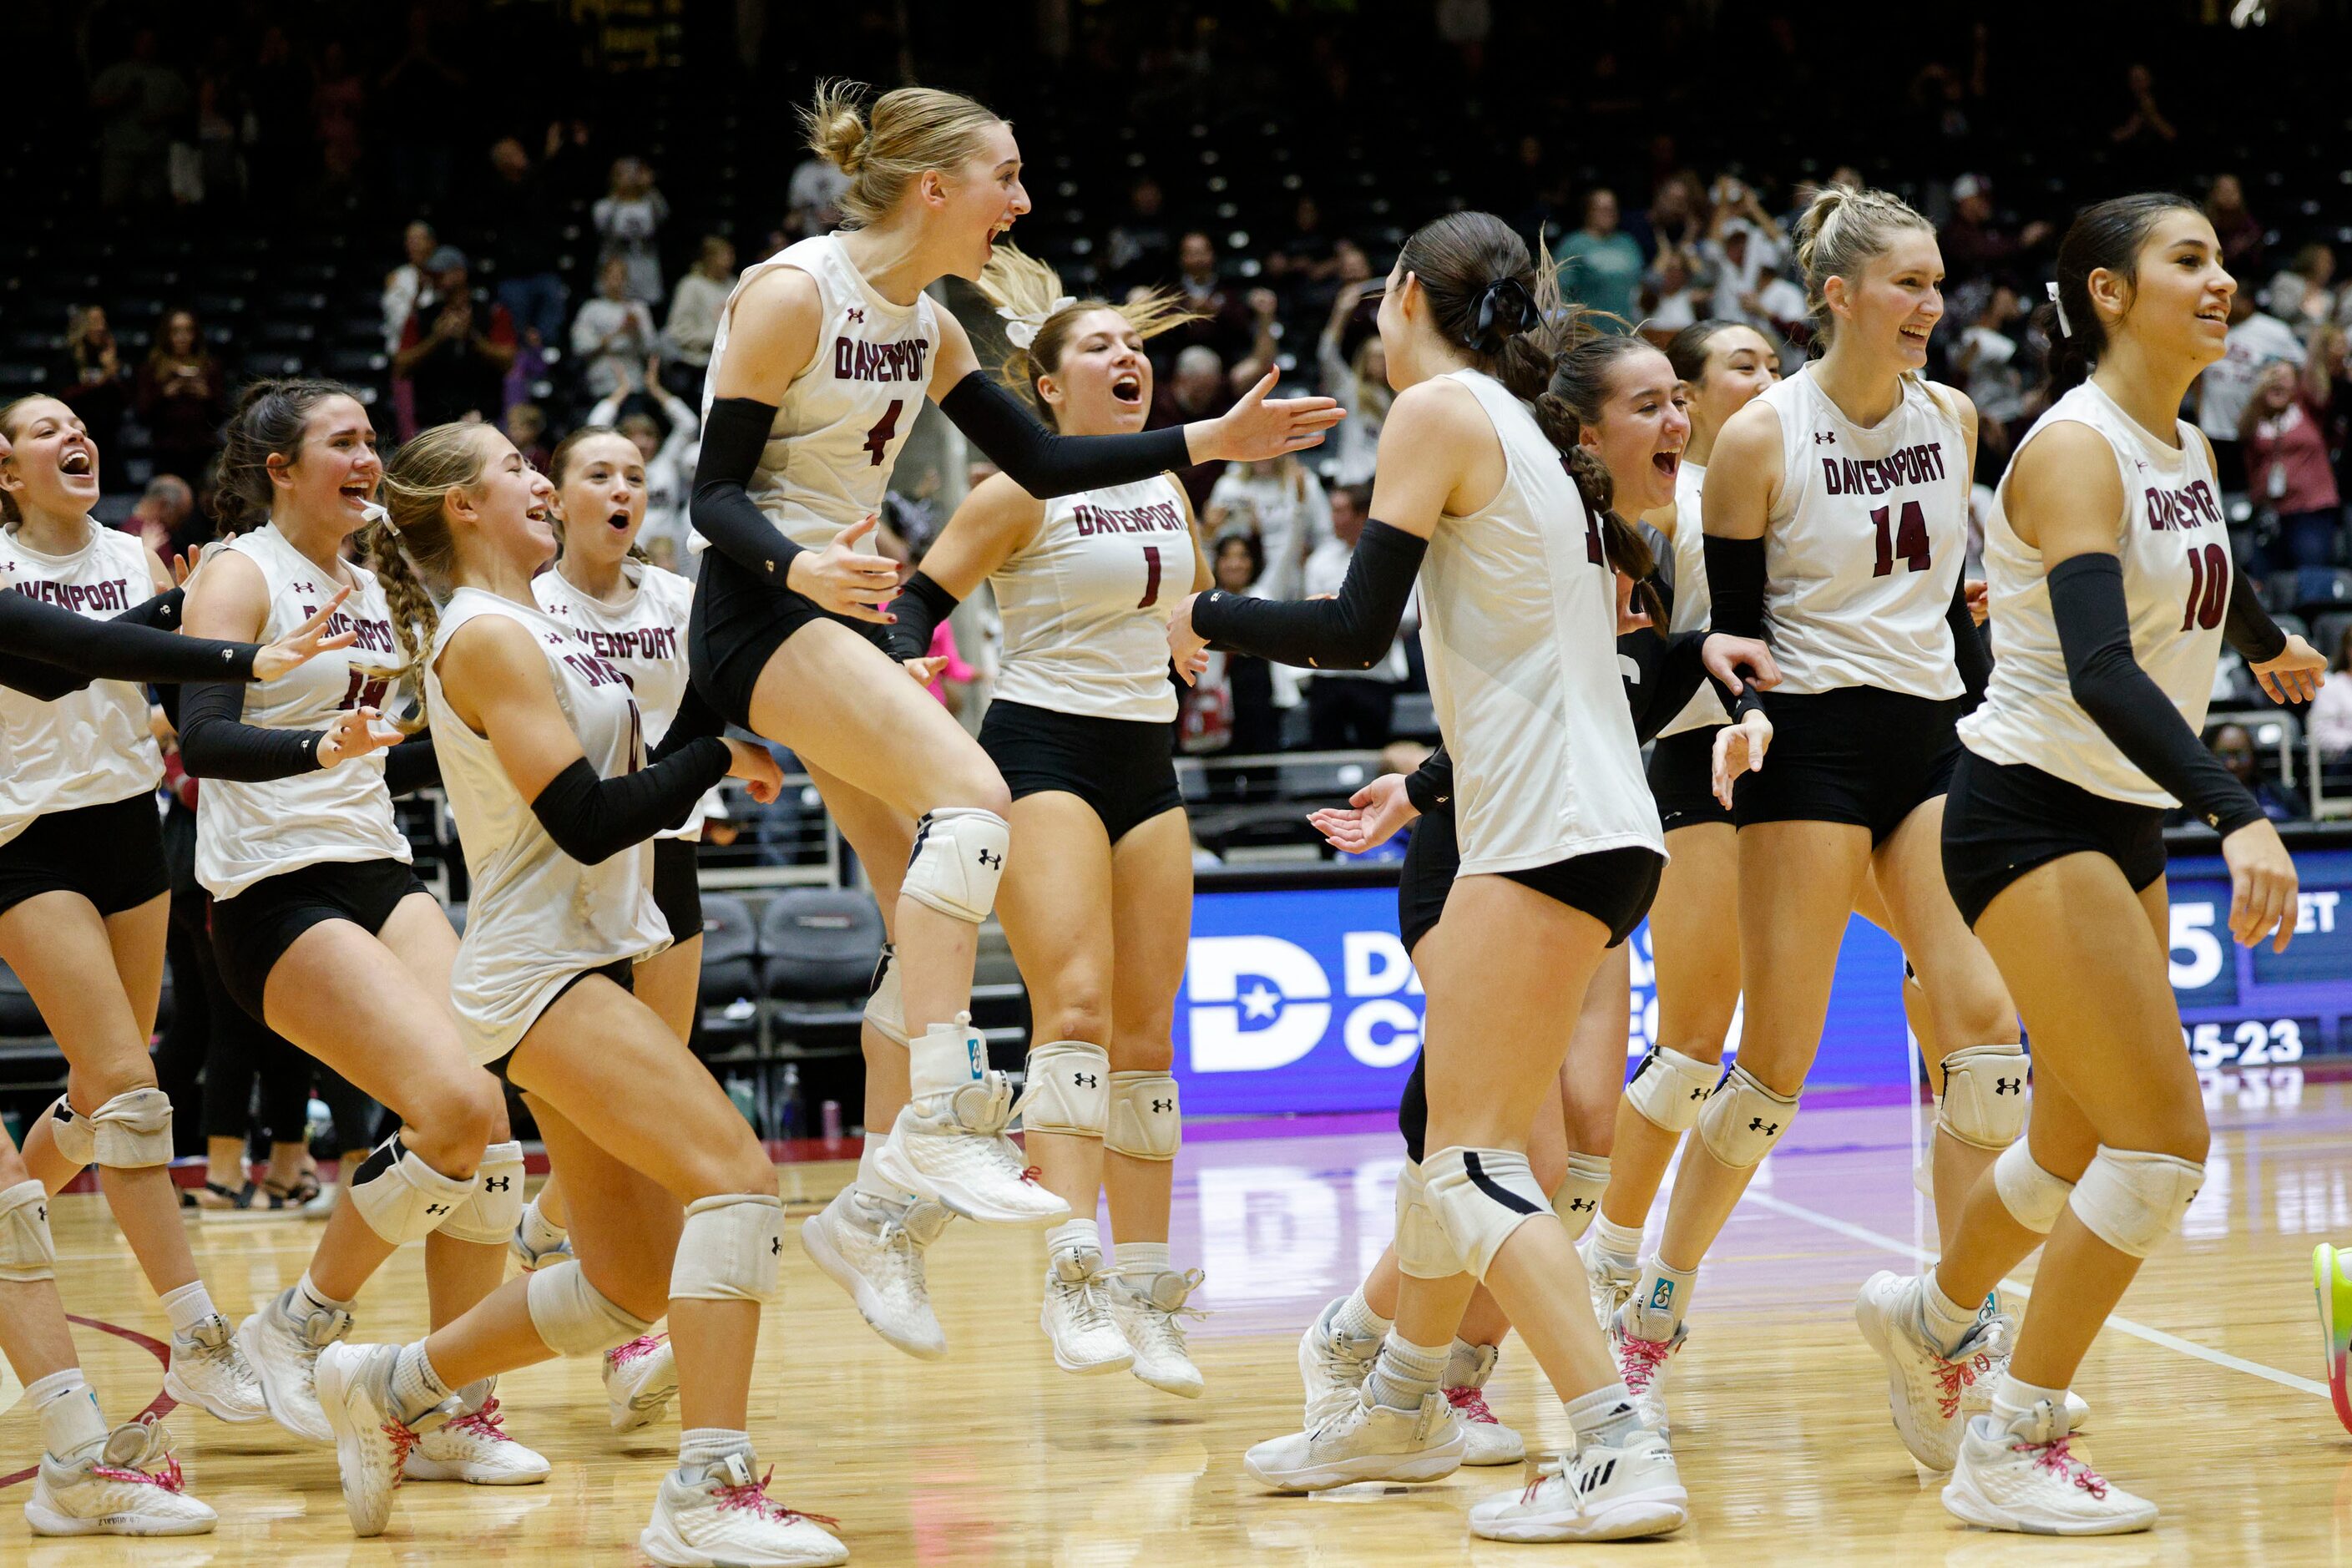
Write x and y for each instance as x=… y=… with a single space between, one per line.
x=1505 y=310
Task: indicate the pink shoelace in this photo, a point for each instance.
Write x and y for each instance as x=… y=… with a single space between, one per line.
x=2054 y=1457
x=404 y=1439
x=643 y=1345
x=1953 y=1377
x=168 y=1478
x=1470 y=1403
x=752 y=1497
x=483 y=1422
x=1641 y=1360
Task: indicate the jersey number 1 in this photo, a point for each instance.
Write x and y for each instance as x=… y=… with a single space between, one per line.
x=1151 y=577
x=1907 y=540
x=2208 y=587
x=886 y=428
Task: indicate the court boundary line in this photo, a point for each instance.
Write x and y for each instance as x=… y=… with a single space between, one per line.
x=2154 y=1336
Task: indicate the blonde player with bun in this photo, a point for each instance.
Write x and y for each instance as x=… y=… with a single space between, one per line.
x=1836 y=518
x=1098 y=905
x=823 y=360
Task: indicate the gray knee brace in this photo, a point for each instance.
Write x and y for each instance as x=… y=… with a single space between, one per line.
x=573 y=1317
x=26 y=1252
x=402 y=1198
x=489 y=1214
x=731 y=1249
x=1743 y=1120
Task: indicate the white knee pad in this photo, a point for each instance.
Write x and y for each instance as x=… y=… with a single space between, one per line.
x=1670 y=1089
x=1984 y=1095
x=1481 y=1196
x=132 y=1131
x=573 y=1317
x=1066 y=1089
x=76 y=1139
x=1743 y=1120
x=402 y=1198
x=883 y=1008
x=1577 y=1199
x=1422 y=1250
x=27 y=1251
x=489 y=1215
x=2032 y=1195
x=959 y=857
x=729 y=1249
x=2133 y=1200
x=1146 y=1122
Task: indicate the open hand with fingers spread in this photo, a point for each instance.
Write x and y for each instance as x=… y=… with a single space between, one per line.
x=1255 y=429
x=310 y=638
x=845 y=580
x=1370 y=819
x=358 y=733
x=2295 y=674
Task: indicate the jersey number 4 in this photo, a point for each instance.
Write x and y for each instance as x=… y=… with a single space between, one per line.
x=2208 y=587
x=1907 y=539
x=365 y=691
x=886 y=429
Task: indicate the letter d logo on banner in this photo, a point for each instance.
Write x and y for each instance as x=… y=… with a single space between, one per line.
x=1288 y=994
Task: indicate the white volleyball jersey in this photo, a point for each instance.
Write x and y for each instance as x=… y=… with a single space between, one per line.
x=90 y=747
x=1519 y=626
x=1693 y=603
x=849 y=409
x=246 y=831
x=538 y=917
x=1864 y=543
x=643 y=635
x=2174 y=551
x=1086 y=603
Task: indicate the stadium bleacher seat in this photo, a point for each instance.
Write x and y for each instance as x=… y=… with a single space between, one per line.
x=818 y=944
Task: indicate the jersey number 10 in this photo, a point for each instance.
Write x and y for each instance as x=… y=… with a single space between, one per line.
x=2208 y=587
x=1907 y=540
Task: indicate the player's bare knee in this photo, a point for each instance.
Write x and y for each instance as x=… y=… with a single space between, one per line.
x=634 y=1279
x=13 y=1168
x=1147 y=1050
x=449 y=1125
x=980 y=788
x=1082 y=1015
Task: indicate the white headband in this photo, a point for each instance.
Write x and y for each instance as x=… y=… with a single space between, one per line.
x=1021 y=327
x=2065 y=328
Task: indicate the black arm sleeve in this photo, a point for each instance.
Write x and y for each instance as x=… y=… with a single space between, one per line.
x=2249 y=626
x=217 y=744
x=2086 y=600
x=412 y=765
x=921 y=606
x=1047 y=464
x=722 y=510
x=695 y=719
x=1735 y=581
x=162 y=612
x=1430 y=786
x=1666 y=674
x=593 y=819
x=50 y=652
x=1352 y=631
x=1968 y=649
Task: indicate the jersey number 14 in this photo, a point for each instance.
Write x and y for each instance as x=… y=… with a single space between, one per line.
x=1905 y=540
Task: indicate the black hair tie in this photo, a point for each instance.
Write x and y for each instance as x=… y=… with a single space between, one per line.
x=1505 y=310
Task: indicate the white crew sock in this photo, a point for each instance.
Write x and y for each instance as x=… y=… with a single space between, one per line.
x=1618 y=1242
x=73 y=1428
x=187 y=1307
x=700 y=1449
x=1604 y=1415
x=1406 y=1373
x=1356 y=1321
x=539 y=1233
x=1074 y=1235
x=415 y=1386
x=1140 y=1259
x=1945 y=1323
x=309 y=1298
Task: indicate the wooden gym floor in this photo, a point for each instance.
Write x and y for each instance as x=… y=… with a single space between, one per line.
x=2204 y=1393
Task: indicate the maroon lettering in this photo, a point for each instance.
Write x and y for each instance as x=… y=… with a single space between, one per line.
x=857 y=360
x=1914 y=465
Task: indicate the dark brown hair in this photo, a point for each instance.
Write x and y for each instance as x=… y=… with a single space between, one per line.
x=560 y=461
x=269 y=419
x=2105 y=236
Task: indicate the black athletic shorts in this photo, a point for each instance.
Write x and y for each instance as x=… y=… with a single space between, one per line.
x=1613 y=886
x=1124 y=768
x=1857 y=754
x=252 y=931
x=2001 y=820
x=678 y=890
x=620 y=972
x=1681 y=779
x=112 y=855
x=1431 y=857
x=738 y=623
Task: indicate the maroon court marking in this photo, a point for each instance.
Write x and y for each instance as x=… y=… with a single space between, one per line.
x=162 y=1404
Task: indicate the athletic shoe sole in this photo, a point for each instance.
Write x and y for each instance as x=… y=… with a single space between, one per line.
x=835 y=1267
x=1181 y=1387
x=334 y=1398
x=1963 y=1504
x=1433 y=1465
x=234 y=1414
x=248 y=1339
x=1121 y=1363
x=2331 y=1277
x=423 y=1469
x=1657 y=1511
x=45 y=1522
x=661 y=1544
x=900 y=1171
x=1873 y=1333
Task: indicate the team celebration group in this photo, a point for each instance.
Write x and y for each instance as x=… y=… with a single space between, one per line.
x=1612 y=544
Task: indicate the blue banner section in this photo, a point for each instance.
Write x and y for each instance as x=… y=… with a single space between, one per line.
x=1302 y=999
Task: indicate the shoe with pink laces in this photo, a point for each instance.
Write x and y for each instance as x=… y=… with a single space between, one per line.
x=132 y=1485
x=724 y=1515
x=640 y=1380
x=1485 y=1441
x=2021 y=1477
x=1643 y=1364
x=475 y=1449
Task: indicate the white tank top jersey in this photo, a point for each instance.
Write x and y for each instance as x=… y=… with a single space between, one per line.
x=1693 y=603
x=2174 y=551
x=643 y=635
x=90 y=747
x=849 y=409
x=246 y=831
x=1520 y=627
x=538 y=917
x=1864 y=543
x=1085 y=601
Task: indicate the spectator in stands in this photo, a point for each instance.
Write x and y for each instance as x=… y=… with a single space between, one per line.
x=183 y=396
x=526 y=425
x=2144 y=130
x=1196 y=389
x=612 y=335
x=1306 y=254
x=1675 y=291
x=90 y=381
x=1283 y=506
x=2329 y=722
x=137 y=99
x=1360 y=383
x=1256 y=724
x=454 y=354
x=2305 y=296
x=2240 y=232
x=629 y=218
x=1600 y=264
x=2256 y=339
x=694 y=309
x=669 y=465
x=1349 y=710
x=165 y=519
x=525 y=222
x=1222 y=321
x=2234 y=745
x=404 y=282
x=2282 y=434
x=1138 y=253
x=813 y=197
x=1992 y=367
x=1675 y=220
x=1975 y=243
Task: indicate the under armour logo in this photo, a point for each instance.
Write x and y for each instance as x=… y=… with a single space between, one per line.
x=855 y=313
x=1085 y=1080
x=1824 y=438
x=1578 y=1206
x=1756 y=1125
x=436 y=1208
x=497 y=1183
x=775 y=1247
x=991 y=860
x=1701 y=1092
x=41 y=1215
x=2009 y=1085
x=1163 y=1105
x=554 y=639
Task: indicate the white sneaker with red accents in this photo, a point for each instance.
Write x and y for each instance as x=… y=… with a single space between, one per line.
x=1643 y=1364
x=640 y=1380
x=1604 y=1492
x=1924 y=1386
x=950 y=1147
x=726 y=1516
x=1485 y=1441
x=2001 y=1335
x=130 y=1486
x=473 y=1448
x=372 y=1443
x=2022 y=1478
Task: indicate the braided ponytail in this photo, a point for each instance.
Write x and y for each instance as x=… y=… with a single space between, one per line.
x=412 y=550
